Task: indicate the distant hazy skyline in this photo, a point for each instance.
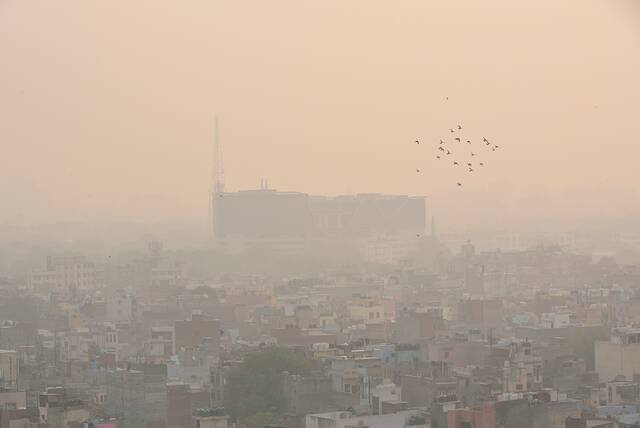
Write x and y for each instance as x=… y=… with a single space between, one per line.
x=106 y=108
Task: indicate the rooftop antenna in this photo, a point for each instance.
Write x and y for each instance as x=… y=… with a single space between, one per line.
x=218 y=170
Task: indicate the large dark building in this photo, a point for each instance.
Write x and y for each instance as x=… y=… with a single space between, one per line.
x=261 y=214
x=365 y=215
x=287 y=220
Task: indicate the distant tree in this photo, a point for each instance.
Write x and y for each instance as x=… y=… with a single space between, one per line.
x=259 y=420
x=255 y=386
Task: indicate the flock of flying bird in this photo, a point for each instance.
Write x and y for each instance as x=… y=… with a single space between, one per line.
x=456 y=145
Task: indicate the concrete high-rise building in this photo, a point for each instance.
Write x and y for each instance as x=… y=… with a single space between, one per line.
x=9 y=369
x=483 y=314
x=65 y=274
x=287 y=221
x=523 y=370
x=415 y=327
x=474 y=280
x=137 y=398
x=279 y=220
x=192 y=333
x=618 y=356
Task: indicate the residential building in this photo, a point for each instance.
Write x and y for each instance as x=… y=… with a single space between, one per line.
x=620 y=355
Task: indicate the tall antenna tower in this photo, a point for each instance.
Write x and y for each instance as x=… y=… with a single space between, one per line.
x=217 y=176
x=218 y=171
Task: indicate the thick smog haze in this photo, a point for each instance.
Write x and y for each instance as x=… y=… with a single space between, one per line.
x=108 y=107
x=319 y=214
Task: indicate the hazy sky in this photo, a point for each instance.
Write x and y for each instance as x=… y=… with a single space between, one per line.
x=106 y=107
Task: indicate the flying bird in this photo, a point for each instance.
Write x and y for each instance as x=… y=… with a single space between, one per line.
x=442 y=147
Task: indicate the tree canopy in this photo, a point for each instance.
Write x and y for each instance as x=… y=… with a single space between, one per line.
x=255 y=386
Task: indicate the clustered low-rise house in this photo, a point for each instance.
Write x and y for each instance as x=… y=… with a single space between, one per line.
x=500 y=339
